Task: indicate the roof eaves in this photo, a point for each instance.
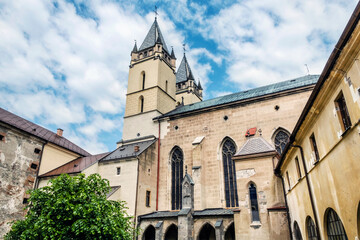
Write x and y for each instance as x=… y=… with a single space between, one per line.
x=344 y=38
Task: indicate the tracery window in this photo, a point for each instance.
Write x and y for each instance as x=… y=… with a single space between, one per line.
x=311 y=229
x=280 y=140
x=177 y=159
x=231 y=197
x=335 y=228
x=254 y=203
x=297 y=231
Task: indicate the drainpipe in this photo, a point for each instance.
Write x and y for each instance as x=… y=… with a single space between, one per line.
x=309 y=189
x=286 y=204
x=158 y=172
x=136 y=196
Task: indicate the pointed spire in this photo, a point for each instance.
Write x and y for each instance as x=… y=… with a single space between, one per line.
x=135 y=48
x=184 y=72
x=199 y=86
x=153 y=36
x=172 y=53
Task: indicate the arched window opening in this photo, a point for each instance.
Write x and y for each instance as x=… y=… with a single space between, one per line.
x=280 y=140
x=166 y=86
x=231 y=197
x=297 y=232
x=143 y=81
x=141 y=104
x=171 y=233
x=254 y=203
x=311 y=229
x=207 y=232
x=177 y=161
x=230 y=232
x=149 y=233
x=335 y=228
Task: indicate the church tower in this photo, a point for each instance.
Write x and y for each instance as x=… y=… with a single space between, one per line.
x=187 y=91
x=151 y=85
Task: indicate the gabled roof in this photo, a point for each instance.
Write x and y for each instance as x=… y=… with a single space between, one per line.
x=75 y=166
x=264 y=91
x=152 y=37
x=253 y=147
x=127 y=150
x=40 y=132
x=184 y=72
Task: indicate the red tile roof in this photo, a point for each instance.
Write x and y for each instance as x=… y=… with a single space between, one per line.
x=75 y=166
x=40 y=132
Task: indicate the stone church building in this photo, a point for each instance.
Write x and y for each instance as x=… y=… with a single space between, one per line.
x=190 y=168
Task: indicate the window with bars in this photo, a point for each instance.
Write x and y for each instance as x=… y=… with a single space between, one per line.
x=297 y=231
x=342 y=112
x=177 y=161
x=334 y=226
x=254 y=203
x=311 y=229
x=314 y=147
x=280 y=140
x=231 y=196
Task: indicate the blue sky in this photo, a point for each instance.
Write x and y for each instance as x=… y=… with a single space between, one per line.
x=65 y=63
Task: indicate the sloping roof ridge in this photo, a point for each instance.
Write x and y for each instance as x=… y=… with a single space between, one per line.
x=178 y=109
x=28 y=126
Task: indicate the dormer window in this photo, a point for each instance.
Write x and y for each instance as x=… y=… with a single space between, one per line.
x=145 y=54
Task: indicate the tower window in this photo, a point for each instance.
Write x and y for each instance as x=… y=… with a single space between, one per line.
x=254 y=203
x=118 y=170
x=314 y=147
x=342 y=112
x=143 y=80
x=147 y=202
x=141 y=104
x=166 y=86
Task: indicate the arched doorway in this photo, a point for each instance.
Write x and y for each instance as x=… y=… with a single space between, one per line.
x=207 y=232
x=171 y=233
x=149 y=233
x=230 y=232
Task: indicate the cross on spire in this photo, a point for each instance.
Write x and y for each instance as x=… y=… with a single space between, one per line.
x=156 y=12
x=184 y=48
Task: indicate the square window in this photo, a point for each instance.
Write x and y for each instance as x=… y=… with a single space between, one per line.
x=118 y=171
x=37 y=150
x=34 y=166
x=342 y=112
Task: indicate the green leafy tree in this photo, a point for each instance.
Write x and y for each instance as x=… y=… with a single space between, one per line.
x=73 y=208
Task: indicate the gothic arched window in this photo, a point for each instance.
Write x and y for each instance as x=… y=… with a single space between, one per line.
x=141 y=104
x=280 y=140
x=297 y=232
x=254 y=203
x=311 y=229
x=177 y=161
x=228 y=150
x=143 y=80
x=334 y=226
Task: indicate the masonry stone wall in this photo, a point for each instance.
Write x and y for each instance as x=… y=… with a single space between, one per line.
x=19 y=162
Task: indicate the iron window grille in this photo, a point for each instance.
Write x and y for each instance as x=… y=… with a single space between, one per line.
x=297 y=231
x=311 y=229
x=335 y=228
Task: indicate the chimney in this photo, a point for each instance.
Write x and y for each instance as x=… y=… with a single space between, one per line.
x=59 y=132
x=136 y=148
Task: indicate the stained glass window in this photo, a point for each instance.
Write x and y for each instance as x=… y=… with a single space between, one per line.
x=177 y=158
x=231 y=197
x=254 y=203
x=335 y=228
x=281 y=139
x=312 y=234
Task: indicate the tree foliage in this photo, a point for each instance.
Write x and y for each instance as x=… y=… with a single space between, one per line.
x=73 y=208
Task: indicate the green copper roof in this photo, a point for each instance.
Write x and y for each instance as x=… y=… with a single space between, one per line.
x=245 y=95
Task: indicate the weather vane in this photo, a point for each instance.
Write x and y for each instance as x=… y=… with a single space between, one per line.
x=156 y=12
